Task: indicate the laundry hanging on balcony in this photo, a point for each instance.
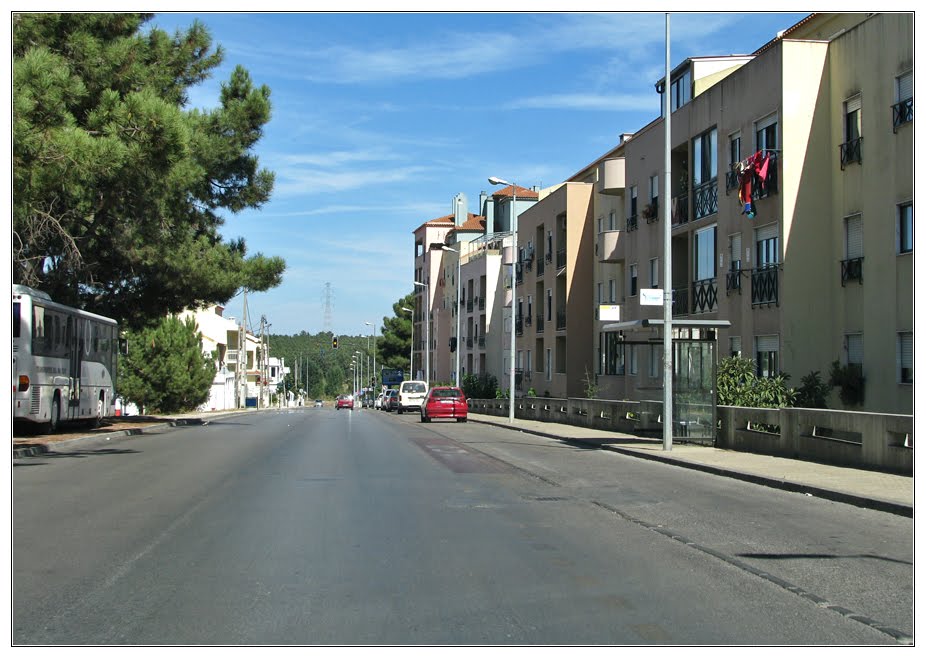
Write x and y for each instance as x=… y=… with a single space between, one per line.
x=754 y=174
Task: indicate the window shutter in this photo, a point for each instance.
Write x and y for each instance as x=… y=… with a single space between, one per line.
x=766 y=343
x=736 y=247
x=766 y=232
x=905 y=87
x=854 y=237
x=905 y=350
x=854 y=351
x=854 y=104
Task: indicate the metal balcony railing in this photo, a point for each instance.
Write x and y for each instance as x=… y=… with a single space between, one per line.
x=561 y=319
x=541 y=266
x=519 y=326
x=560 y=259
x=851 y=270
x=539 y=323
x=735 y=281
x=680 y=209
x=680 y=301
x=903 y=113
x=481 y=341
x=850 y=152
x=705 y=199
x=632 y=223
x=704 y=296
x=765 y=285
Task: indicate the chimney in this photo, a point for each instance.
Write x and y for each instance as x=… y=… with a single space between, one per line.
x=459 y=209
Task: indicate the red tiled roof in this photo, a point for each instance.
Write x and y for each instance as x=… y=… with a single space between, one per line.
x=473 y=223
x=522 y=192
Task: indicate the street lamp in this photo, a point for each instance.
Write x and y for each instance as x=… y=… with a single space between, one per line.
x=359 y=355
x=411 y=350
x=459 y=252
x=427 y=331
x=514 y=238
x=370 y=324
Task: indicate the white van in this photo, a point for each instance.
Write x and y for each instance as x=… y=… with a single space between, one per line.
x=412 y=394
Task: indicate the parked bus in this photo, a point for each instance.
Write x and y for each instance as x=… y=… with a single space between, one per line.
x=64 y=361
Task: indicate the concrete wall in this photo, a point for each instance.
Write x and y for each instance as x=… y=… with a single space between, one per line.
x=854 y=439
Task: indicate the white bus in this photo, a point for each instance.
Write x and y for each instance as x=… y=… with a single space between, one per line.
x=64 y=361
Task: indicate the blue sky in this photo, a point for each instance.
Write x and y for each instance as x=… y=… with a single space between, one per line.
x=380 y=119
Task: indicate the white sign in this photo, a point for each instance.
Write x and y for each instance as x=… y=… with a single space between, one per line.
x=651 y=297
x=609 y=312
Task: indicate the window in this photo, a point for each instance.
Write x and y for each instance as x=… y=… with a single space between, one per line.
x=736 y=149
x=852 y=265
x=704 y=173
x=851 y=150
x=632 y=217
x=633 y=280
x=654 y=189
x=655 y=360
x=854 y=349
x=549 y=369
x=613 y=350
x=736 y=346
x=905 y=357
x=600 y=224
x=767 y=356
x=634 y=368
x=705 y=253
x=903 y=108
x=549 y=304
x=767 y=134
x=612 y=220
x=600 y=292
x=529 y=362
x=736 y=252
x=767 y=246
x=905 y=228
x=653 y=272
x=530 y=307
x=680 y=91
x=612 y=290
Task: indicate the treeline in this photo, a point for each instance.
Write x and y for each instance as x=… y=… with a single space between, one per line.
x=316 y=367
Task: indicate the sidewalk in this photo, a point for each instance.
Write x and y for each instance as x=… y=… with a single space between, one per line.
x=869 y=489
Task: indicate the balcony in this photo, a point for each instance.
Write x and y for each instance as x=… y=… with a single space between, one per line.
x=612 y=177
x=560 y=259
x=482 y=303
x=539 y=323
x=705 y=199
x=481 y=341
x=611 y=248
x=469 y=305
x=541 y=266
x=519 y=326
x=734 y=281
x=903 y=113
x=680 y=209
x=561 y=319
x=851 y=270
x=765 y=286
x=704 y=296
x=469 y=342
x=632 y=222
x=850 y=152
x=651 y=212
x=680 y=301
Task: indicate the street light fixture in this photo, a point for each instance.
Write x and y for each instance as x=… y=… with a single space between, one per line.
x=373 y=378
x=514 y=255
x=427 y=331
x=359 y=355
x=459 y=253
x=411 y=350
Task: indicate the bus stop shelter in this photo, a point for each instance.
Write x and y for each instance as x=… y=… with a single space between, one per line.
x=695 y=359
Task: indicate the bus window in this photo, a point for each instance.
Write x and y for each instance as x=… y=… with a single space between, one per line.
x=16 y=320
x=38 y=330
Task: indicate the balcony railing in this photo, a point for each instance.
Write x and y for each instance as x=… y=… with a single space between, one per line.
x=903 y=113
x=760 y=188
x=469 y=342
x=651 y=212
x=482 y=303
x=850 y=152
x=632 y=223
x=735 y=281
x=704 y=295
x=539 y=323
x=481 y=341
x=680 y=301
x=705 y=199
x=561 y=319
x=528 y=320
x=560 y=259
x=519 y=326
x=469 y=305
x=518 y=274
x=852 y=270
x=680 y=209
x=541 y=266
x=765 y=286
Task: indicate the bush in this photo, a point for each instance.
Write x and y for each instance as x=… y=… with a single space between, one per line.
x=850 y=381
x=813 y=392
x=480 y=387
x=738 y=385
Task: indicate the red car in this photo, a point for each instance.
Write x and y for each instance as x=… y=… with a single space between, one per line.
x=444 y=402
x=344 y=402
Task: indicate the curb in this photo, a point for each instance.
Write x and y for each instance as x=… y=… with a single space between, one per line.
x=795 y=487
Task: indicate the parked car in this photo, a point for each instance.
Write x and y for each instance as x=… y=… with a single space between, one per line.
x=378 y=404
x=319 y=403
x=344 y=402
x=411 y=395
x=391 y=400
x=444 y=402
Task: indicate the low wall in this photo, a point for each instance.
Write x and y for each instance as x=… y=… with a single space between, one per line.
x=845 y=438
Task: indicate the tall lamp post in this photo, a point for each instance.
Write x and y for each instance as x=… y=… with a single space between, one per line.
x=514 y=259
x=359 y=355
x=427 y=331
x=459 y=252
x=411 y=349
x=370 y=324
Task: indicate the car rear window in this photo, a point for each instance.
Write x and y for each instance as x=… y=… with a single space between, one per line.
x=446 y=393
x=413 y=387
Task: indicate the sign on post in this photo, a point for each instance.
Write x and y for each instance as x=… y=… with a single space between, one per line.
x=651 y=297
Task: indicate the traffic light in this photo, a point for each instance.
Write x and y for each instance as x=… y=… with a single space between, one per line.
x=334 y=343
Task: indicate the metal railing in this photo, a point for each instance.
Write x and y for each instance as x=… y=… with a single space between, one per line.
x=705 y=199
x=680 y=301
x=851 y=270
x=704 y=296
x=680 y=209
x=765 y=285
x=850 y=152
x=903 y=113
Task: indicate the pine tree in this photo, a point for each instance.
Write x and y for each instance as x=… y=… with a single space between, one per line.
x=165 y=370
x=116 y=185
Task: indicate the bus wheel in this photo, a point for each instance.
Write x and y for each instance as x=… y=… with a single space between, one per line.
x=98 y=419
x=55 y=419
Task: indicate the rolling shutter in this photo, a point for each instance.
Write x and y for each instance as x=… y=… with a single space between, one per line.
x=854 y=237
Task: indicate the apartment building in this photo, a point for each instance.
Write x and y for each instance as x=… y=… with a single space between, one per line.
x=791 y=209
x=554 y=312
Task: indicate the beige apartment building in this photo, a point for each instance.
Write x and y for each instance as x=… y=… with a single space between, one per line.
x=791 y=210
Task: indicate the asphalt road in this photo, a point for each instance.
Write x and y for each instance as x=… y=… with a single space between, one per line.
x=324 y=527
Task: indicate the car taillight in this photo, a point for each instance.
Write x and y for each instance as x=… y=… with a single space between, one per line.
x=23 y=383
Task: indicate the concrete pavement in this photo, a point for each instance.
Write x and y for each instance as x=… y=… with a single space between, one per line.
x=869 y=489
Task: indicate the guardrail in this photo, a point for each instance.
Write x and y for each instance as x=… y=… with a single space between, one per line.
x=855 y=439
